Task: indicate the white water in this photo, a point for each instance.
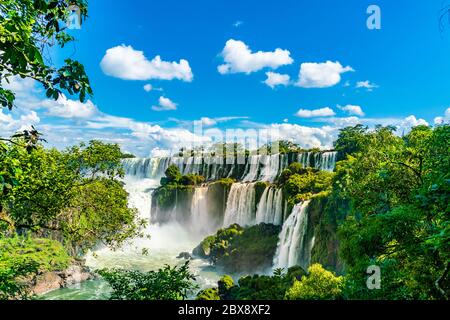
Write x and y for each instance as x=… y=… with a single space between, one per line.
x=200 y=220
x=292 y=247
x=240 y=207
x=325 y=161
x=270 y=207
x=257 y=167
x=163 y=244
x=167 y=241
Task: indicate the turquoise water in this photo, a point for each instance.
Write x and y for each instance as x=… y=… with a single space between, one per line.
x=88 y=290
x=163 y=243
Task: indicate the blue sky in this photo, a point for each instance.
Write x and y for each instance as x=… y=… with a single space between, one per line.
x=372 y=76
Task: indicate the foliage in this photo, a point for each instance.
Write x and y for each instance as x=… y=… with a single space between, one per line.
x=48 y=254
x=256 y=287
x=72 y=194
x=168 y=283
x=96 y=213
x=398 y=188
x=300 y=184
x=208 y=294
x=28 y=28
x=21 y=258
x=236 y=249
x=192 y=180
x=12 y=272
x=319 y=284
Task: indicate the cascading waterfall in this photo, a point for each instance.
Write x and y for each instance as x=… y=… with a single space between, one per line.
x=256 y=167
x=240 y=206
x=327 y=161
x=270 y=207
x=293 y=248
x=141 y=168
x=199 y=211
x=252 y=168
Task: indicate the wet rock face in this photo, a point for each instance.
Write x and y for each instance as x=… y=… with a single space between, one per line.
x=184 y=255
x=49 y=281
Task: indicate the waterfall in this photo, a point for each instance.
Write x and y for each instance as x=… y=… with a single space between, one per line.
x=141 y=168
x=270 y=207
x=252 y=168
x=327 y=161
x=256 y=167
x=293 y=248
x=199 y=211
x=270 y=169
x=305 y=159
x=240 y=206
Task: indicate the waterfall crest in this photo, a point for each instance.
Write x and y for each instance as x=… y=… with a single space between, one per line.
x=293 y=248
x=248 y=169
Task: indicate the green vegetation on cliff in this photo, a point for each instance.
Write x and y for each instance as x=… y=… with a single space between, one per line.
x=300 y=184
x=241 y=250
x=256 y=287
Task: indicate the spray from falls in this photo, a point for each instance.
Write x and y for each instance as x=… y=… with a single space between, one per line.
x=293 y=247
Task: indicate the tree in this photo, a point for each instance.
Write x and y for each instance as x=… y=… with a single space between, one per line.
x=168 y=283
x=350 y=140
x=173 y=175
x=27 y=29
x=398 y=188
x=319 y=284
x=74 y=194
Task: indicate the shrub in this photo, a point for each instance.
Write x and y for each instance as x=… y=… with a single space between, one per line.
x=319 y=284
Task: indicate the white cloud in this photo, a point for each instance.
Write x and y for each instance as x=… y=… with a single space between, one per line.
x=238 y=24
x=275 y=79
x=367 y=85
x=321 y=75
x=322 y=112
x=165 y=104
x=444 y=119
x=10 y=124
x=405 y=125
x=239 y=58
x=352 y=110
x=68 y=108
x=126 y=63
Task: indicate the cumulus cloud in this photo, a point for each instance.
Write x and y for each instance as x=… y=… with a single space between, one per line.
x=321 y=75
x=165 y=104
x=322 y=112
x=11 y=123
x=239 y=58
x=443 y=119
x=352 y=110
x=126 y=63
x=67 y=108
x=367 y=85
x=275 y=79
x=405 y=125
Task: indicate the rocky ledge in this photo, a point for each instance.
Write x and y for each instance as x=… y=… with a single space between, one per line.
x=49 y=281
